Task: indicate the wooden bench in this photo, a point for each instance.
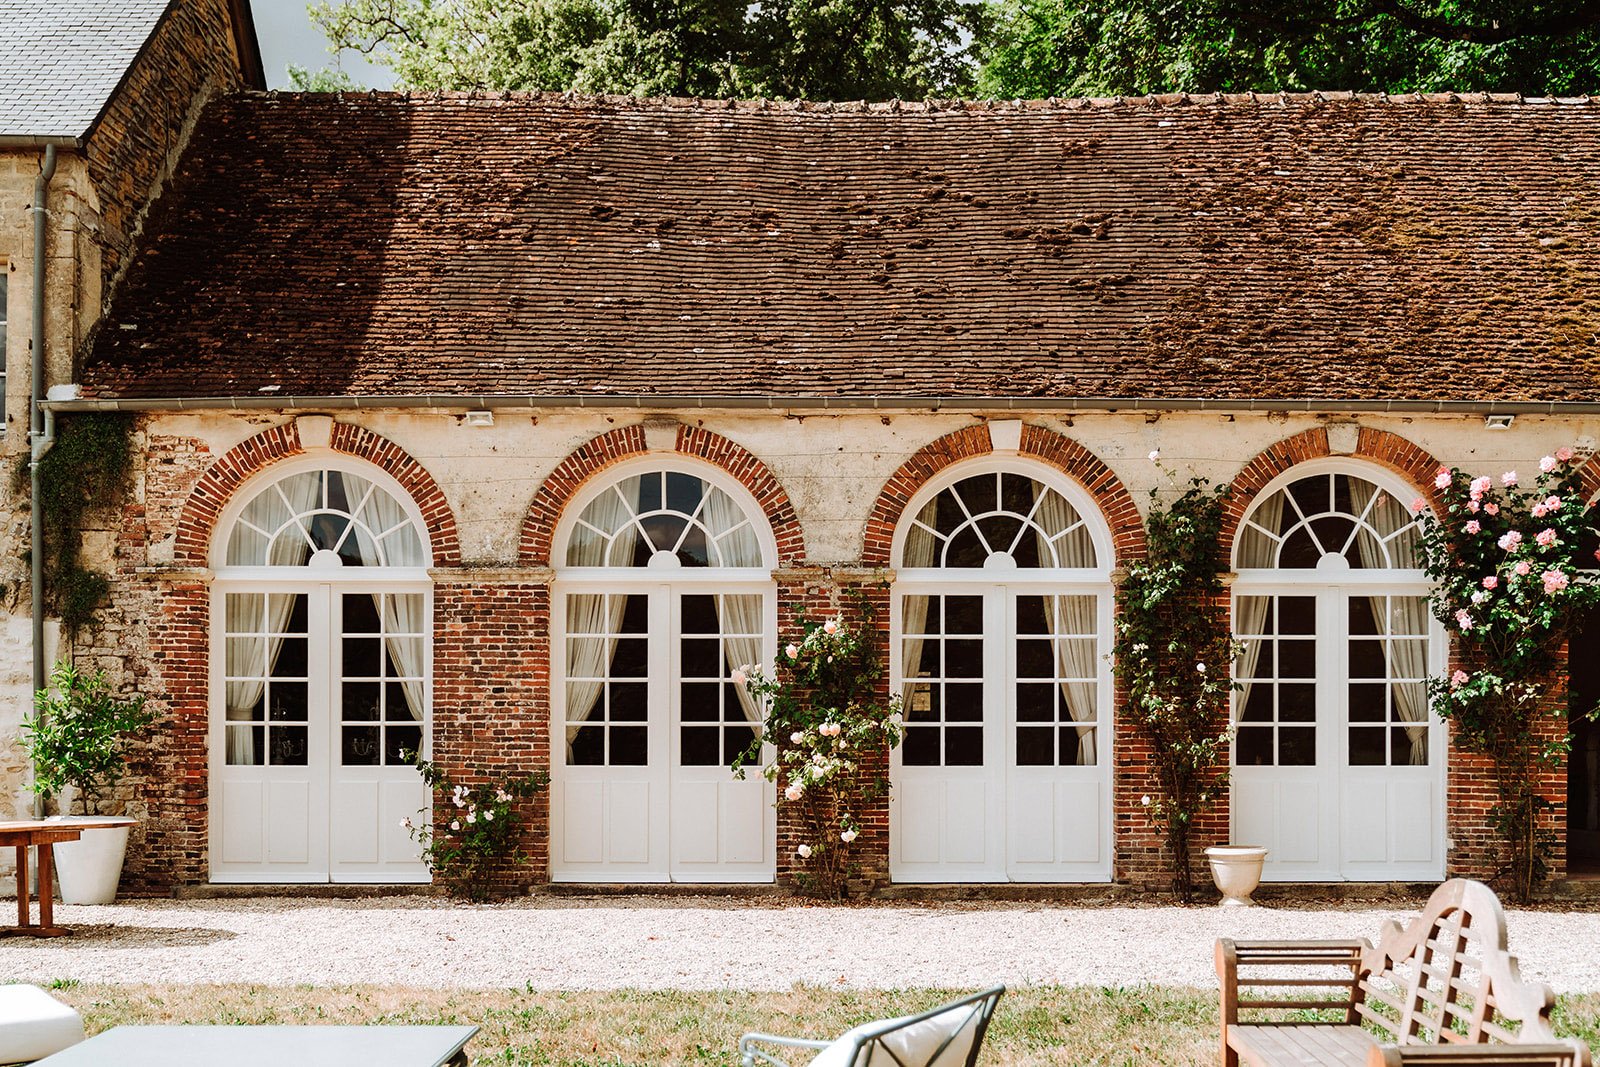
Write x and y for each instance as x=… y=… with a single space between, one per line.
x=1443 y=991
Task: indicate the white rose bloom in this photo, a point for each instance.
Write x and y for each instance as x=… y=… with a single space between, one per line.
x=472 y=817
x=794 y=792
x=455 y=826
x=848 y=836
x=738 y=676
x=488 y=816
x=831 y=626
x=1155 y=455
x=803 y=851
x=792 y=651
x=1145 y=800
x=797 y=737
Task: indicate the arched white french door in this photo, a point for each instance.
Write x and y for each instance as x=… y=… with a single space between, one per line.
x=663 y=588
x=1001 y=618
x=1338 y=761
x=321 y=677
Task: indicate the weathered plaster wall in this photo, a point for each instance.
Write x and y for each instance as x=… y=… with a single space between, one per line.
x=832 y=467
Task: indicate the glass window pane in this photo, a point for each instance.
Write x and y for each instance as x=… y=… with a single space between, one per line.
x=1369 y=703
x=628 y=702
x=246 y=657
x=920 y=748
x=1367 y=746
x=700 y=615
x=963 y=746
x=963 y=615
x=401 y=744
x=919 y=615
x=1035 y=659
x=739 y=548
x=963 y=659
x=701 y=702
x=286 y=701
x=701 y=657
x=1297 y=746
x=1297 y=703
x=244 y=746
x=1253 y=746
x=1077 y=746
x=360 y=747
x=397 y=701
x=1408 y=746
x=1035 y=746
x=588 y=747
x=629 y=746
x=630 y=657
x=363 y=657
x=286 y=746
x=359 y=701
x=1297 y=615
x=963 y=702
x=700 y=746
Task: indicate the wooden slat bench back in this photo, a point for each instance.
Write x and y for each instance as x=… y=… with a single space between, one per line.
x=1444 y=981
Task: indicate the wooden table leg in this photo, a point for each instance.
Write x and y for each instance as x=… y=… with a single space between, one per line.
x=23 y=915
x=47 y=889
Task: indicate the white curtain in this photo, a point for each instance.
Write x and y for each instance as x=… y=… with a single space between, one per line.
x=384 y=515
x=918 y=552
x=1250 y=612
x=1406 y=616
x=1070 y=615
x=403 y=615
x=302 y=492
x=739 y=619
x=595 y=613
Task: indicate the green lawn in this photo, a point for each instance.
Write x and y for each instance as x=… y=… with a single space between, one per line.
x=1045 y=1025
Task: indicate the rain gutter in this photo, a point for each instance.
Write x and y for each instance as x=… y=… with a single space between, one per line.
x=885 y=402
x=41 y=422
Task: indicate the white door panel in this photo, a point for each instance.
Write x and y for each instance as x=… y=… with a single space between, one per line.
x=291 y=804
x=675 y=812
x=1032 y=812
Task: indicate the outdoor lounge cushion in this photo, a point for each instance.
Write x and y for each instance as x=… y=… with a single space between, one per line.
x=33 y=1024
x=909 y=1044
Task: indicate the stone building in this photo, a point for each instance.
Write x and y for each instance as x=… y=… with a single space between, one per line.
x=508 y=425
x=110 y=91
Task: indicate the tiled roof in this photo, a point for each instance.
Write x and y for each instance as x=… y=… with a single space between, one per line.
x=1271 y=248
x=60 y=60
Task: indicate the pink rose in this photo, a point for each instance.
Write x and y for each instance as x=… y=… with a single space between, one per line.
x=1459 y=678
x=1564 y=454
x=1480 y=486
x=1554 y=581
x=1546 y=538
x=1442 y=479
x=1508 y=479
x=1523 y=567
x=1552 y=503
x=1491 y=582
x=1539 y=511
x=1479 y=596
x=1547 y=464
x=1472 y=506
x=1510 y=540
x=1417 y=505
x=1464 y=619
x=1491 y=509
x=1472 y=527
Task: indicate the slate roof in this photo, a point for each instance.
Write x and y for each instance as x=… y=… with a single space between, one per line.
x=1271 y=249
x=60 y=60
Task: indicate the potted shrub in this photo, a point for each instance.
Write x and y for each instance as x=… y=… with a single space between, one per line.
x=76 y=740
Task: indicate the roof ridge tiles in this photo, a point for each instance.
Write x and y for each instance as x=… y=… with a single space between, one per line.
x=1151 y=101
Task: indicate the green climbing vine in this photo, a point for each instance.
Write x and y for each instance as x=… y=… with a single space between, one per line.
x=86 y=468
x=1173 y=652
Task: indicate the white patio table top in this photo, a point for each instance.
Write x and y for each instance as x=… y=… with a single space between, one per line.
x=269 y=1046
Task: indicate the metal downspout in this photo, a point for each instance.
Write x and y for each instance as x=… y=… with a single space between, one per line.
x=41 y=431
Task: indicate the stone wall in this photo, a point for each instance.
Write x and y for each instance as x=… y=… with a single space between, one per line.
x=494 y=494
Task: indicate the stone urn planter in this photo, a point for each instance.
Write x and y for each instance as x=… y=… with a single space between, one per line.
x=88 y=869
x=1237 y=871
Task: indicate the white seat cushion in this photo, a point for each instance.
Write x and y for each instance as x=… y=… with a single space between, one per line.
x=911 y=1045
x=33 y=1024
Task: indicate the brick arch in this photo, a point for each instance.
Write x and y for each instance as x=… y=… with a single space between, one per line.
x=197 y=523
x=626 y=442
x=1406 y=458
x=1038 y=443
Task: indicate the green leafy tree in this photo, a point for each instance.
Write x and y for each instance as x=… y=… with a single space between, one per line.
x=788 y=49
x=326 y=80
x=1131 y=47
x=79 y=733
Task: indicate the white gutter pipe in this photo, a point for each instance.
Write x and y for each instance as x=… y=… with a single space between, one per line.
x=41 y=422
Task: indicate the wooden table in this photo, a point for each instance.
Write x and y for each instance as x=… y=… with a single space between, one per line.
x=43 y=834
x=270 y=1046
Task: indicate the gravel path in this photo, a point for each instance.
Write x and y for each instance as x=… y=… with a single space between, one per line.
x=705 y=943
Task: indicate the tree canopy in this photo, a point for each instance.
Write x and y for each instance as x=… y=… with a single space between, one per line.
x=911 y=49
x=1040 y=48
x=786 y=49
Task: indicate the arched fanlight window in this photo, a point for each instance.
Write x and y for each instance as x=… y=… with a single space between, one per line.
x=1329 y=514
x=998 y=517
x=325 y=516
x=663 y=518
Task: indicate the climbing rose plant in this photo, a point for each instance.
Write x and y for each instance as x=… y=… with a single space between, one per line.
x=1504 y=557
x=830 y=734
x=475 y=836
x=1173 y=652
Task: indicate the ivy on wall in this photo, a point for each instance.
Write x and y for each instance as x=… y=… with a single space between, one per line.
x=1174 y=650
x=85 y=468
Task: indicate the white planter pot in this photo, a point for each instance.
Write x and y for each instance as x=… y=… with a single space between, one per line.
x=89 y=868
x=1237 y=871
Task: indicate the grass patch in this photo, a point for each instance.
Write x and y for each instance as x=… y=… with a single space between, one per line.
x=1086 y=1026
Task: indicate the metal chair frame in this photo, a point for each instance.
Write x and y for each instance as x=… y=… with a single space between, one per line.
x=869 y=1043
